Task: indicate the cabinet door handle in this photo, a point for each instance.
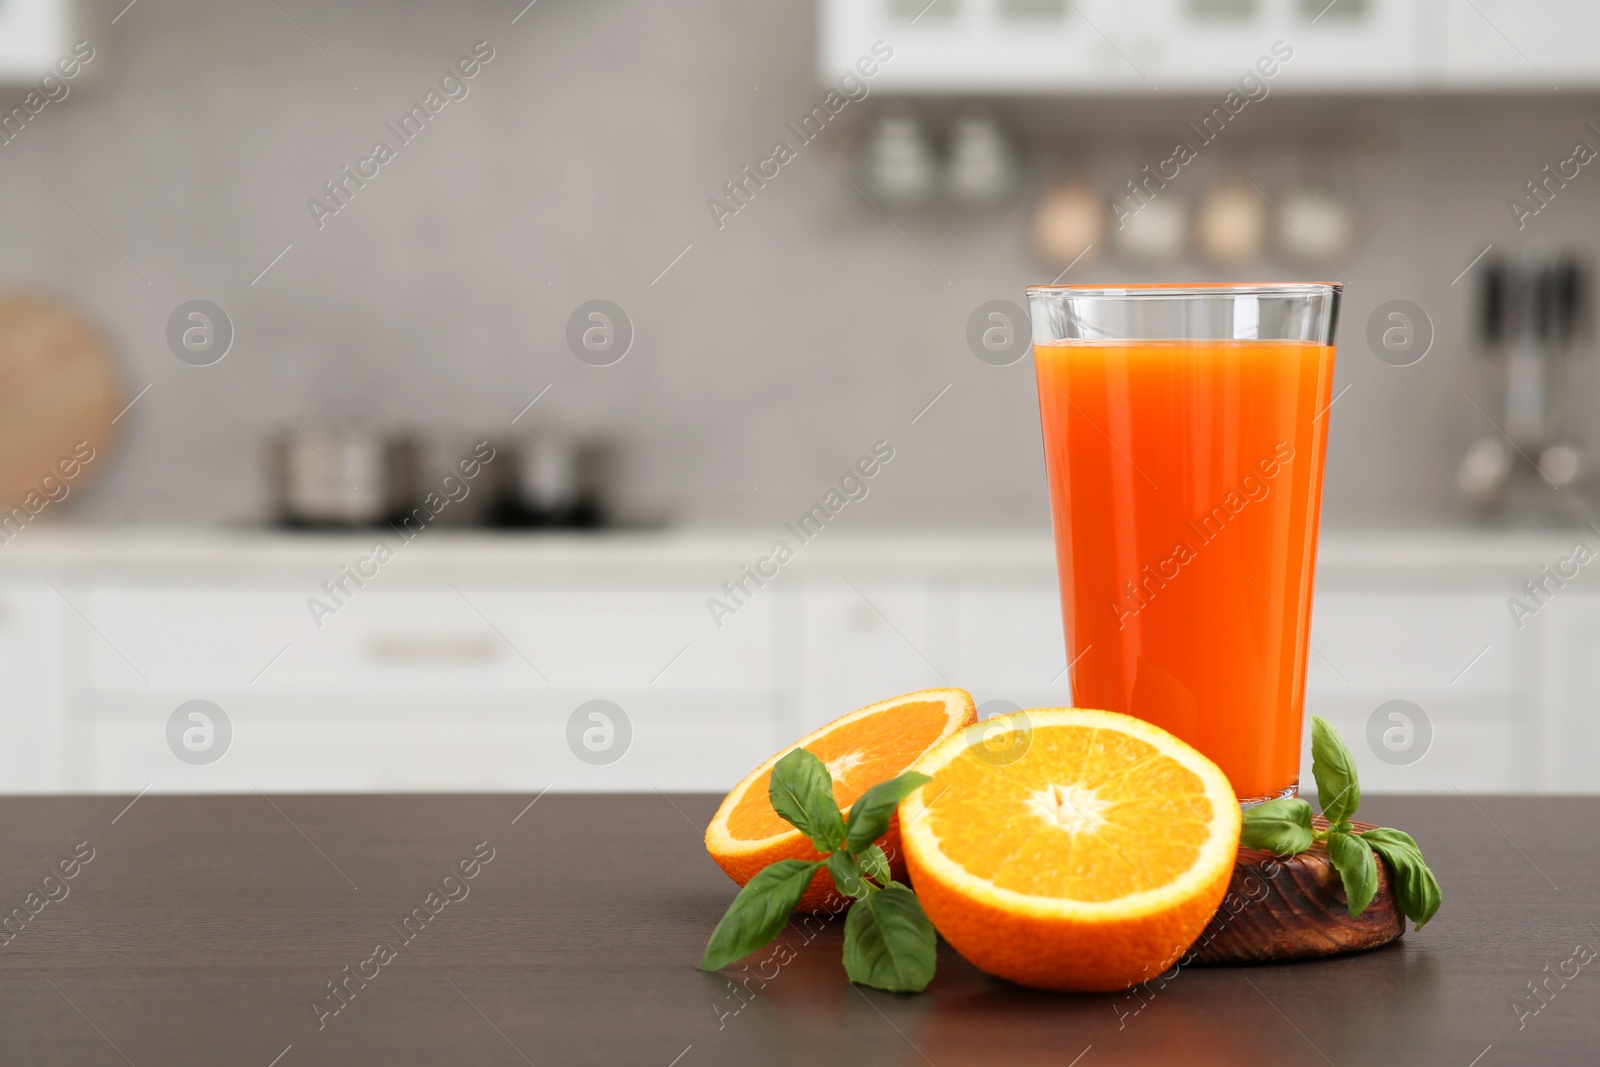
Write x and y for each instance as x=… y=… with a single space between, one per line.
x=437 y=648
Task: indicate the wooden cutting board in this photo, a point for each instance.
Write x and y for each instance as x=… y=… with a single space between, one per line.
x=58 y=394
x=1294 y=908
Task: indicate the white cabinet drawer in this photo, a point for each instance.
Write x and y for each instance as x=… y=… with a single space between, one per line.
x=662 y=639
x=1453 y=655
x=33 y=670
x=174 y=635
x=402 y=638
x=1009 y=644
x=1412 y=639
x=375 y=743
x=1571 y=626
x=863 y=641
x=1477 y=746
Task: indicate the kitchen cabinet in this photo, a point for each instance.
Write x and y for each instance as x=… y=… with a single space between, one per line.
x=33 y=678
x=863 y=639
x=468 y=664
x=1451 y=655
x=1570 y=669
x=435 y=685
x=34 y=34
x=1140 y=47
x=1512 y=44
x=1009 y=644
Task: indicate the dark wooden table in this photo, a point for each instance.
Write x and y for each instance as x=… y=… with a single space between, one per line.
x=204 y=931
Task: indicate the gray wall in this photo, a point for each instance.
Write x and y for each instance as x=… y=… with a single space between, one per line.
x=795 y=337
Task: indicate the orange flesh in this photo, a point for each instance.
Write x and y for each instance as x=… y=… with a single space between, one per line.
x=861 y=754
x=1150 y=815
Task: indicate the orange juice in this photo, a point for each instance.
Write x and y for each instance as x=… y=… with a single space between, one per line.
x=1185 y=481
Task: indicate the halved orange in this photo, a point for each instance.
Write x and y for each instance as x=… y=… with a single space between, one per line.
x=1064 y=848
x=863 y=748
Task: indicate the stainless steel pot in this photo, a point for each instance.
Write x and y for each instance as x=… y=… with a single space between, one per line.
x=555 y=479
x=342 y=475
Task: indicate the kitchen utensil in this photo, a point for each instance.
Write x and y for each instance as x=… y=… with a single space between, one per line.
x=1230 y=223
x=58 y=396
x=1316 y=225
x=1156 y=233
x=1531 y=310
x=343 y=474
x=1069 y=219
x=559 y=480
x=899 y=167
x=982 y=168
x=1561 y=465
x=1558 y=310
x=1484 y=472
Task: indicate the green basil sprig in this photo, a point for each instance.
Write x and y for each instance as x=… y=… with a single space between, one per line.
x=801 y=790
x=1284 y=826
x=888 y=941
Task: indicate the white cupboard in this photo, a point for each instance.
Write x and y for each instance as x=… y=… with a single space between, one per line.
x=484 y=663
x=34 y=673
x=1255 y=47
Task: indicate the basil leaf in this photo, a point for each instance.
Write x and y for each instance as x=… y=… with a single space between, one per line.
x=889 y=943
x=869 y=816
x=847 y=875
x=759 y=913
x=1416 y=890
x=1357 y=868
x=1282 y=825
x=801 y=790
x=875 y=865
x=1334 y=768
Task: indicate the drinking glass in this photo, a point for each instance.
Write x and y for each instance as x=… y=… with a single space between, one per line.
x=1185 y=428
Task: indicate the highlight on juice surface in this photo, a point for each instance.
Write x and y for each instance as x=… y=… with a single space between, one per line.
x=1185 y=428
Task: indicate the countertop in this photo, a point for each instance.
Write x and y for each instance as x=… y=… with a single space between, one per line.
x=203 y=931
x=242 y=551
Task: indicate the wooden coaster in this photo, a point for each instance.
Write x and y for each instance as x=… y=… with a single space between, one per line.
x=1294 y=908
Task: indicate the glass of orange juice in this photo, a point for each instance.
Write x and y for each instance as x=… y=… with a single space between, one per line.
x=1185 y=428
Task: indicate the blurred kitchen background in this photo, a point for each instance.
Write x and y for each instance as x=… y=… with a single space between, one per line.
x=586 y=277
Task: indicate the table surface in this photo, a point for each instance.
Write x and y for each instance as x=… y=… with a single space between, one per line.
x=204 y=930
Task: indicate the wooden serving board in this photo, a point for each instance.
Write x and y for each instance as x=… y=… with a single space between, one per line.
x=1294 y=908
x=58 y=395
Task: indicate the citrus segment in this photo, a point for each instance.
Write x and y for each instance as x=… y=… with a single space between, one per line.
x=1070 y=849
x=861 y=749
